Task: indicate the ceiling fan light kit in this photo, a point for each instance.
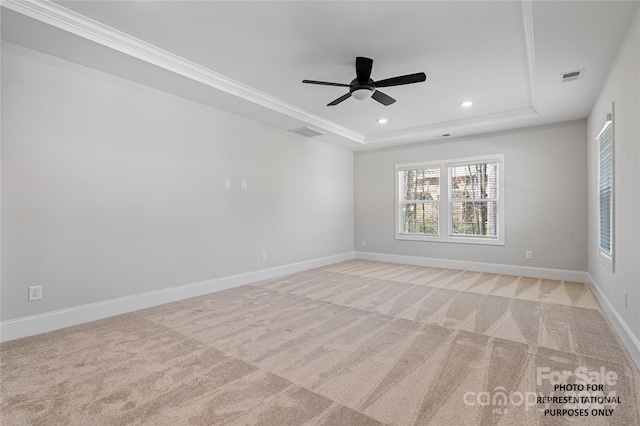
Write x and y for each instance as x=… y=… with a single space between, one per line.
x=363 y=87
x=362 y=93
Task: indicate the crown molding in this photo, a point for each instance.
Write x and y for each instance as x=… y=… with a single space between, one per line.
x=65 y=19
x=436 y=129
x=527 y=21
x=60 y=17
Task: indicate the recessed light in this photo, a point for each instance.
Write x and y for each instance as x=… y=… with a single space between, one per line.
x=382 y=121
x=466 y=104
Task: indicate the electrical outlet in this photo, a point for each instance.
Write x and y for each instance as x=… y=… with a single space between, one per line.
x=528 y=254
x=364 y=243
x=243 y=184
x=227 y=183
x=263 y=257
x=625 y=300
x=35 y=293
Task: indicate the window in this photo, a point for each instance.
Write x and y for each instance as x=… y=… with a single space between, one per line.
x=420 y=189
x=469 y=209
x=605 y=191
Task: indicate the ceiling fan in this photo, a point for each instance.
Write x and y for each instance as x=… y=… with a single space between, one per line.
x=363 y=87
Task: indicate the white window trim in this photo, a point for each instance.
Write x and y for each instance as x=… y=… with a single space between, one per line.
x=444 y=221
x=607 y=259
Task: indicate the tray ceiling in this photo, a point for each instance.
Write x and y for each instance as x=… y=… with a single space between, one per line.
x=249 y=58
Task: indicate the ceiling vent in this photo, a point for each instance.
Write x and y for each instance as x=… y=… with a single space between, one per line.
x=572 y=76
x=306 y=132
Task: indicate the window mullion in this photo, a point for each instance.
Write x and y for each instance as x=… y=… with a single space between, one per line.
x=445 y=217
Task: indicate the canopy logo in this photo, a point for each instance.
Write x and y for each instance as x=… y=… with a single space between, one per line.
x=575 y=393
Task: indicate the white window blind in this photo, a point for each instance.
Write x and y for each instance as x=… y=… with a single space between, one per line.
x=605 y=186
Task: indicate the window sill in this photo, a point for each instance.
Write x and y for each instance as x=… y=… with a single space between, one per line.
x=606 y=259
x=452 y=239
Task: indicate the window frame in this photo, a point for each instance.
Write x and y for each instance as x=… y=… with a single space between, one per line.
x=445 y=234
x=607 y=258
x=400 y=201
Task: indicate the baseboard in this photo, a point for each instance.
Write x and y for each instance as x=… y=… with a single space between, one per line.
x=49 y=321
x=494 y=268
x=629 y=340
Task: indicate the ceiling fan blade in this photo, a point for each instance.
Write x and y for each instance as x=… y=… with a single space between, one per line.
x=363 y=69
x=325 y=83
x=383 y=98
x=404 y=79
x=340 y=99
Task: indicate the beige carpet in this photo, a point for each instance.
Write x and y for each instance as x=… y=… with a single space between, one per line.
x=355 y=343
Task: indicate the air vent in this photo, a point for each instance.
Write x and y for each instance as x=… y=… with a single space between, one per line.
x=572 y=76
x=306 y=132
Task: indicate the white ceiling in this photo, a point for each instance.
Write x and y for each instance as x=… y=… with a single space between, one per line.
x=250 y=58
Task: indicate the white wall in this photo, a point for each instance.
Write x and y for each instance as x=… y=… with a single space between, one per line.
x=111 y=189
x=545 y=173
x=623 y=88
